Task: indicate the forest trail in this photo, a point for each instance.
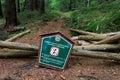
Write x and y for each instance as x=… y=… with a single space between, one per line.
x=78 y=68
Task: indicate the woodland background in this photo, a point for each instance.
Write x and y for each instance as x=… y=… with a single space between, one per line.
x=98 y=16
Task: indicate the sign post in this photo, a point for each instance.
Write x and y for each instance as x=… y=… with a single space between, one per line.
x=54 y=50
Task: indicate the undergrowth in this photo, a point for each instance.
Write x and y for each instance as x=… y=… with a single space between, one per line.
x=32 y=16
x=101 y=18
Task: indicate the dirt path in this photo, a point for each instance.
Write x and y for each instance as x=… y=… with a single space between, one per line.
x=78 y=68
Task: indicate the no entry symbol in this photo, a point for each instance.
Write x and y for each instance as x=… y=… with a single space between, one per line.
x=54 y=51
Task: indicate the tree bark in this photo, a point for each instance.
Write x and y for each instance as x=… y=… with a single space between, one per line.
x=96 y=54
x=1 y=14
x=83 y=32
x=24 y=6
x=112 y=33
x=101 y=47
x=36 y=4
x=111 y=39
x=18 y=6
x=11 y=16
x=78 y=52
x=70 y=5
x=42 y=6
x=90 y=37
x=15 y=45
x=34 y=49
x=17 y=53
x=31 y=5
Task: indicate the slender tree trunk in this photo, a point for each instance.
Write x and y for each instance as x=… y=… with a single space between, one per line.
x=42 y=6
x=36 y=4
x=18 y=6
x=31 y=5
x=70 y=5
x=87 y=3
x=1 y=14
x=24 y=6
x=11 y=16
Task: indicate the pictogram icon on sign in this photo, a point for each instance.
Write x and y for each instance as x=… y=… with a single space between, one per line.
x=54 y=51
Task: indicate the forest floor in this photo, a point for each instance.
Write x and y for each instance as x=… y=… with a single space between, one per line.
x=78 y=68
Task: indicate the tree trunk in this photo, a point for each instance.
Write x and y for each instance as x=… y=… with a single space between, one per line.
x=24 y=6
x=15 y=45
x=88 y=3
x=112 y=33
x=1 y=14
x=31 y=50
x=96 y=54
x=90 y=37
x=18 y=6
x=42 y=6
x=11 y=16
x=101 y=47
x=31 y=5
x=70 y=4
x=17 y=53
x=83 y=32
x=111 y=39
x=93 y=54
x=36 y=4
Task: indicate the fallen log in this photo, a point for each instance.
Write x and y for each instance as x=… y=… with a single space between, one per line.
x=112 y=33
x=16 y=45
x=81 y=42
x=89 y=37
x=110 y=39
x=18 y=35
x=76 y=51
x=101 y=47
x=83 y=32
x=96 y=54
x=17 y=53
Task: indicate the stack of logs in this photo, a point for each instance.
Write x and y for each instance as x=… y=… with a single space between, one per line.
x=90 y=44
x=87 y=44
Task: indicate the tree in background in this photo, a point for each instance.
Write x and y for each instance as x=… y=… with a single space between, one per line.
x=24 y=5
x=42 y=6
x=34 y=5
x=31 y=5
x=18 y=6
x=70 y=5
x=11 y=16
x=87 y=3
x=1 y=14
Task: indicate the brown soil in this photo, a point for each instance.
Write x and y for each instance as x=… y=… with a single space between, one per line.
x=78 y=68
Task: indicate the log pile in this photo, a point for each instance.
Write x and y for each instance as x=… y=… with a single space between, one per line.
x=90 y=44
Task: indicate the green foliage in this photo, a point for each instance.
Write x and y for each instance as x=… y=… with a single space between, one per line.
x=28 y=16
x=50 y=16
x=31 y=16
x=55 y=4
x=99 y=18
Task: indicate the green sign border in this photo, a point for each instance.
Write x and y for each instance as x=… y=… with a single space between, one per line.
x=63 y=37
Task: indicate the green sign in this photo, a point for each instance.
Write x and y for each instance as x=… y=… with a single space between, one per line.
x=54 y=50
